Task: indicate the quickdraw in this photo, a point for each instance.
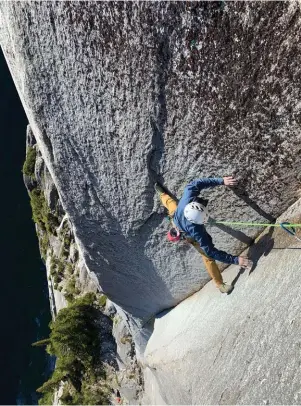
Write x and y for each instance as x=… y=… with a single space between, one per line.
x=289 y=228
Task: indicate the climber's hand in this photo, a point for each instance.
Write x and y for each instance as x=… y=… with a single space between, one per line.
x=230 y=181
x=245 y=262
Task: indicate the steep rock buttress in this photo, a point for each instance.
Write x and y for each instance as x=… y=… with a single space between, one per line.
x=117 y=92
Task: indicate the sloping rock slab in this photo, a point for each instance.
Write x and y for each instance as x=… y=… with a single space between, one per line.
x=244 y=348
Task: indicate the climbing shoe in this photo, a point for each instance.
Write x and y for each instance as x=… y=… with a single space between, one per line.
x=159 y=189
x=224 y=288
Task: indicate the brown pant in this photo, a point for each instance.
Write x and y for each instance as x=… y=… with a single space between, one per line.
x=210 y=264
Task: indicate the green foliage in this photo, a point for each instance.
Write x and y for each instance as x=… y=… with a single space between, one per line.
x=88 y=299
x=52 y=383
x=116 y=319
x=37 y=201
x=70 y=290
x=76 y=255
x=66 y=238
x=30 y=161
x=41 y=213
x=66 y=398
x=53 y=265
x=65 y=253
x=70 y=268
x=60 y=267
x=56 y=278
x=71 y=284
x=43 y=244
x=41 y=343
x=47 y=398
x=74 y=341
x=67 y=242
x=56 y=271
x=69 y=297
x=102 y=300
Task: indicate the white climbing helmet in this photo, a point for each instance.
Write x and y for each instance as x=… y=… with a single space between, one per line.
x=196 y=213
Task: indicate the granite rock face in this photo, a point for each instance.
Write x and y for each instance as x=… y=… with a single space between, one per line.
x=68 y=279
x=240 y=349
x=120 y=94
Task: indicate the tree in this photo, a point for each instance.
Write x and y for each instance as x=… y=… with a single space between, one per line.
x=41 y=343
x=74 y=341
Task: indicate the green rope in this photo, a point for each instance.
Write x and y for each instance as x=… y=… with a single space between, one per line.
x=242 y=223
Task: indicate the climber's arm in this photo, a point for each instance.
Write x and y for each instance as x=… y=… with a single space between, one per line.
x=194 y=188
x=199 y=234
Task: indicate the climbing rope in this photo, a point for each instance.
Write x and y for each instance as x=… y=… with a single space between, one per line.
x=246 y=223
x=289 y=228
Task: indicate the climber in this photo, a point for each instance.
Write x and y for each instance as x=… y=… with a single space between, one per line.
x=189 y=217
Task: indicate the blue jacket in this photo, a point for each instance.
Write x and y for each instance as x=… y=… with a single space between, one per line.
x=196 y=231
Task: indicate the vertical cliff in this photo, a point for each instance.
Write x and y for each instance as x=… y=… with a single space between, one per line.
x=116 y=92
x=119 y=94
x=72 y=286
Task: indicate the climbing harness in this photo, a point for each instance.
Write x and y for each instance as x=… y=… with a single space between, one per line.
x=286 y=226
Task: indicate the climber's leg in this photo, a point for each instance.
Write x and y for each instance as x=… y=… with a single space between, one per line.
x=166 y=200
x=169 y=203
x=210 y=264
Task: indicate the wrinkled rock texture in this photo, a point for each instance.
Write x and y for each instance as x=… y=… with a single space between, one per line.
x=118 y=92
